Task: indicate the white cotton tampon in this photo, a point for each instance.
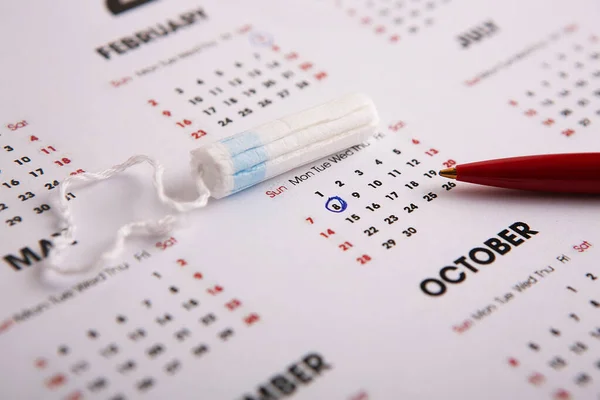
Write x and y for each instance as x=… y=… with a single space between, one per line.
x=250 y=157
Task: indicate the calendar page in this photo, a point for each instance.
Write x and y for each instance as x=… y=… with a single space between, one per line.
x=363 y=275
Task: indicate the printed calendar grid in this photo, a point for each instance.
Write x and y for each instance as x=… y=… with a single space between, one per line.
x=32 y=167
x=572 y=339
x=379 y=198
x=567 y=97
x=393 y=20
x=182 y=312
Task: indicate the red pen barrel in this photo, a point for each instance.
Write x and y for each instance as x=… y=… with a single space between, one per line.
x=562 y=173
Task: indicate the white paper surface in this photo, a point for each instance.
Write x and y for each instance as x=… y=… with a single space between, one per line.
x=307 y=285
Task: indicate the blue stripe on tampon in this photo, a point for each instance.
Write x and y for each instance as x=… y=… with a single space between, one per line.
x=241 y=142
x=249 y=158
x=249 y=177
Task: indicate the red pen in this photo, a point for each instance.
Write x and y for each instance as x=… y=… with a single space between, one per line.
x=564 y=173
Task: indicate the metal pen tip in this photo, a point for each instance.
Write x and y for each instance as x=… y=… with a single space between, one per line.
x=448 y=173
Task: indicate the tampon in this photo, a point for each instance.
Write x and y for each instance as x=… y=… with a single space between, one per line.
x=250 y=157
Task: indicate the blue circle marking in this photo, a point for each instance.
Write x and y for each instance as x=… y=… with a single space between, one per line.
x=336 y=204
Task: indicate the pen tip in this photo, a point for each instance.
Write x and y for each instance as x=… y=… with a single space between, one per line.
x=448 y=173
